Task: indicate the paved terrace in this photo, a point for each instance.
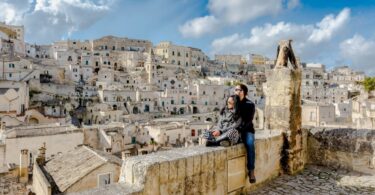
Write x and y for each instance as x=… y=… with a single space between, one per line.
x=321 y=180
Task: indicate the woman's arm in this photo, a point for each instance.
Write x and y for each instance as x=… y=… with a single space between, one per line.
x=234 y=125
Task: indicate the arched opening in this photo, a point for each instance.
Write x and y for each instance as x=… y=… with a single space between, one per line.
x=33 y=120
x=182 y=110
x=114 y=107
x=195 y=110
x=135 y=110
x=147 y=108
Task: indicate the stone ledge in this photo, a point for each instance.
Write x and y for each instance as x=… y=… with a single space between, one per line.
x=198 y=169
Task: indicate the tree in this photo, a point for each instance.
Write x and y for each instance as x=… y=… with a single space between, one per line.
x=369 y=84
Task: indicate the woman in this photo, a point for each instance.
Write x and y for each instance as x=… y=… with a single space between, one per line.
x=225 y=133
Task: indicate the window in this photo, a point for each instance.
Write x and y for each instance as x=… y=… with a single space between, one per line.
x=87 y=62
x=104 y=179
x=172 y=53
x=10 y=75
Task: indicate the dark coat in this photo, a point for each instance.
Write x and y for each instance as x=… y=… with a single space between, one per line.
x=247 y=111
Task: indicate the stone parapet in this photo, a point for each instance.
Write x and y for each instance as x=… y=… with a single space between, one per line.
x=352 y=149
x=199 y=169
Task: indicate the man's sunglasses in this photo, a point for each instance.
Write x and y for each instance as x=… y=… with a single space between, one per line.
x=238 y=90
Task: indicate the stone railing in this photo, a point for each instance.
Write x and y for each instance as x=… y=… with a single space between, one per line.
x=199 y=169
x=352 y=149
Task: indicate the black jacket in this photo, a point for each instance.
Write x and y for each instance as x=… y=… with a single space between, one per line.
x=247 y=111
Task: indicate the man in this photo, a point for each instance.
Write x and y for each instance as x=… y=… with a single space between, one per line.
x=247 y=111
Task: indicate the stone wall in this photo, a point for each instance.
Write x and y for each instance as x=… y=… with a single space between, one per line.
x=352 y=149
x=199 y=169
x=41 y=186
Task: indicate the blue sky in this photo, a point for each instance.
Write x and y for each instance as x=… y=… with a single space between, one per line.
x=332 y=32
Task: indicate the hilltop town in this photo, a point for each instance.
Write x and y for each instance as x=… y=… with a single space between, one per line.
x=89 y=104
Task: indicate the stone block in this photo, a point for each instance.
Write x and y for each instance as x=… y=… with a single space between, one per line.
x=236 y=173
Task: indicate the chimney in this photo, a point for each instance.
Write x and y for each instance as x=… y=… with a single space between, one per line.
x=41 y=159
x=125 y=155
x=24 y=164
x=2 y=126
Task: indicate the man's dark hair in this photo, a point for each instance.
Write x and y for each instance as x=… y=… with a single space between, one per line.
x=236 y=106
x=244 y=88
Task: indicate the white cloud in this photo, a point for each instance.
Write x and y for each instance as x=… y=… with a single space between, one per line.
x=50 y=20
x=236 y=11
x=329 y=25
x=293 y=3
x=264 y=39
x=360 y=52
x=225 y=12
x=11 y=12
x=199 y=26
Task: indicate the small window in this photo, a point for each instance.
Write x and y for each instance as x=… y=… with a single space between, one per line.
x=104 y=179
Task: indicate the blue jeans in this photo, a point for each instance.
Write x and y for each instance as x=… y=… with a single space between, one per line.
x=249 y=141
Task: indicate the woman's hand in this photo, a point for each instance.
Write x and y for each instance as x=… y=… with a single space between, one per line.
x=216 y=133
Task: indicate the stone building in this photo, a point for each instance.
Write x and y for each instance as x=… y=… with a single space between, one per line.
x=57 y=138
x=185 y=57
x=228 y=59
x=318 y=114
x=363 y=111
x=77 y=170
x=13 y=34
x=14 y=98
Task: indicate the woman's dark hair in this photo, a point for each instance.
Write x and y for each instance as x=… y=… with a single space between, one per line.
x=236 y=106
x=244 y=88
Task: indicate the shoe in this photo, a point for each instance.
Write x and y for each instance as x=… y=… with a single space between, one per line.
x=211 y=143
x=252 y=179
x=225 y=143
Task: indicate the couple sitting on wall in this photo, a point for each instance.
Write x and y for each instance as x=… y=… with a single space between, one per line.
x=235 y=125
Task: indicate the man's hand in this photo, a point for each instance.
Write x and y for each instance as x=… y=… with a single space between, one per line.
x=216 y=133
